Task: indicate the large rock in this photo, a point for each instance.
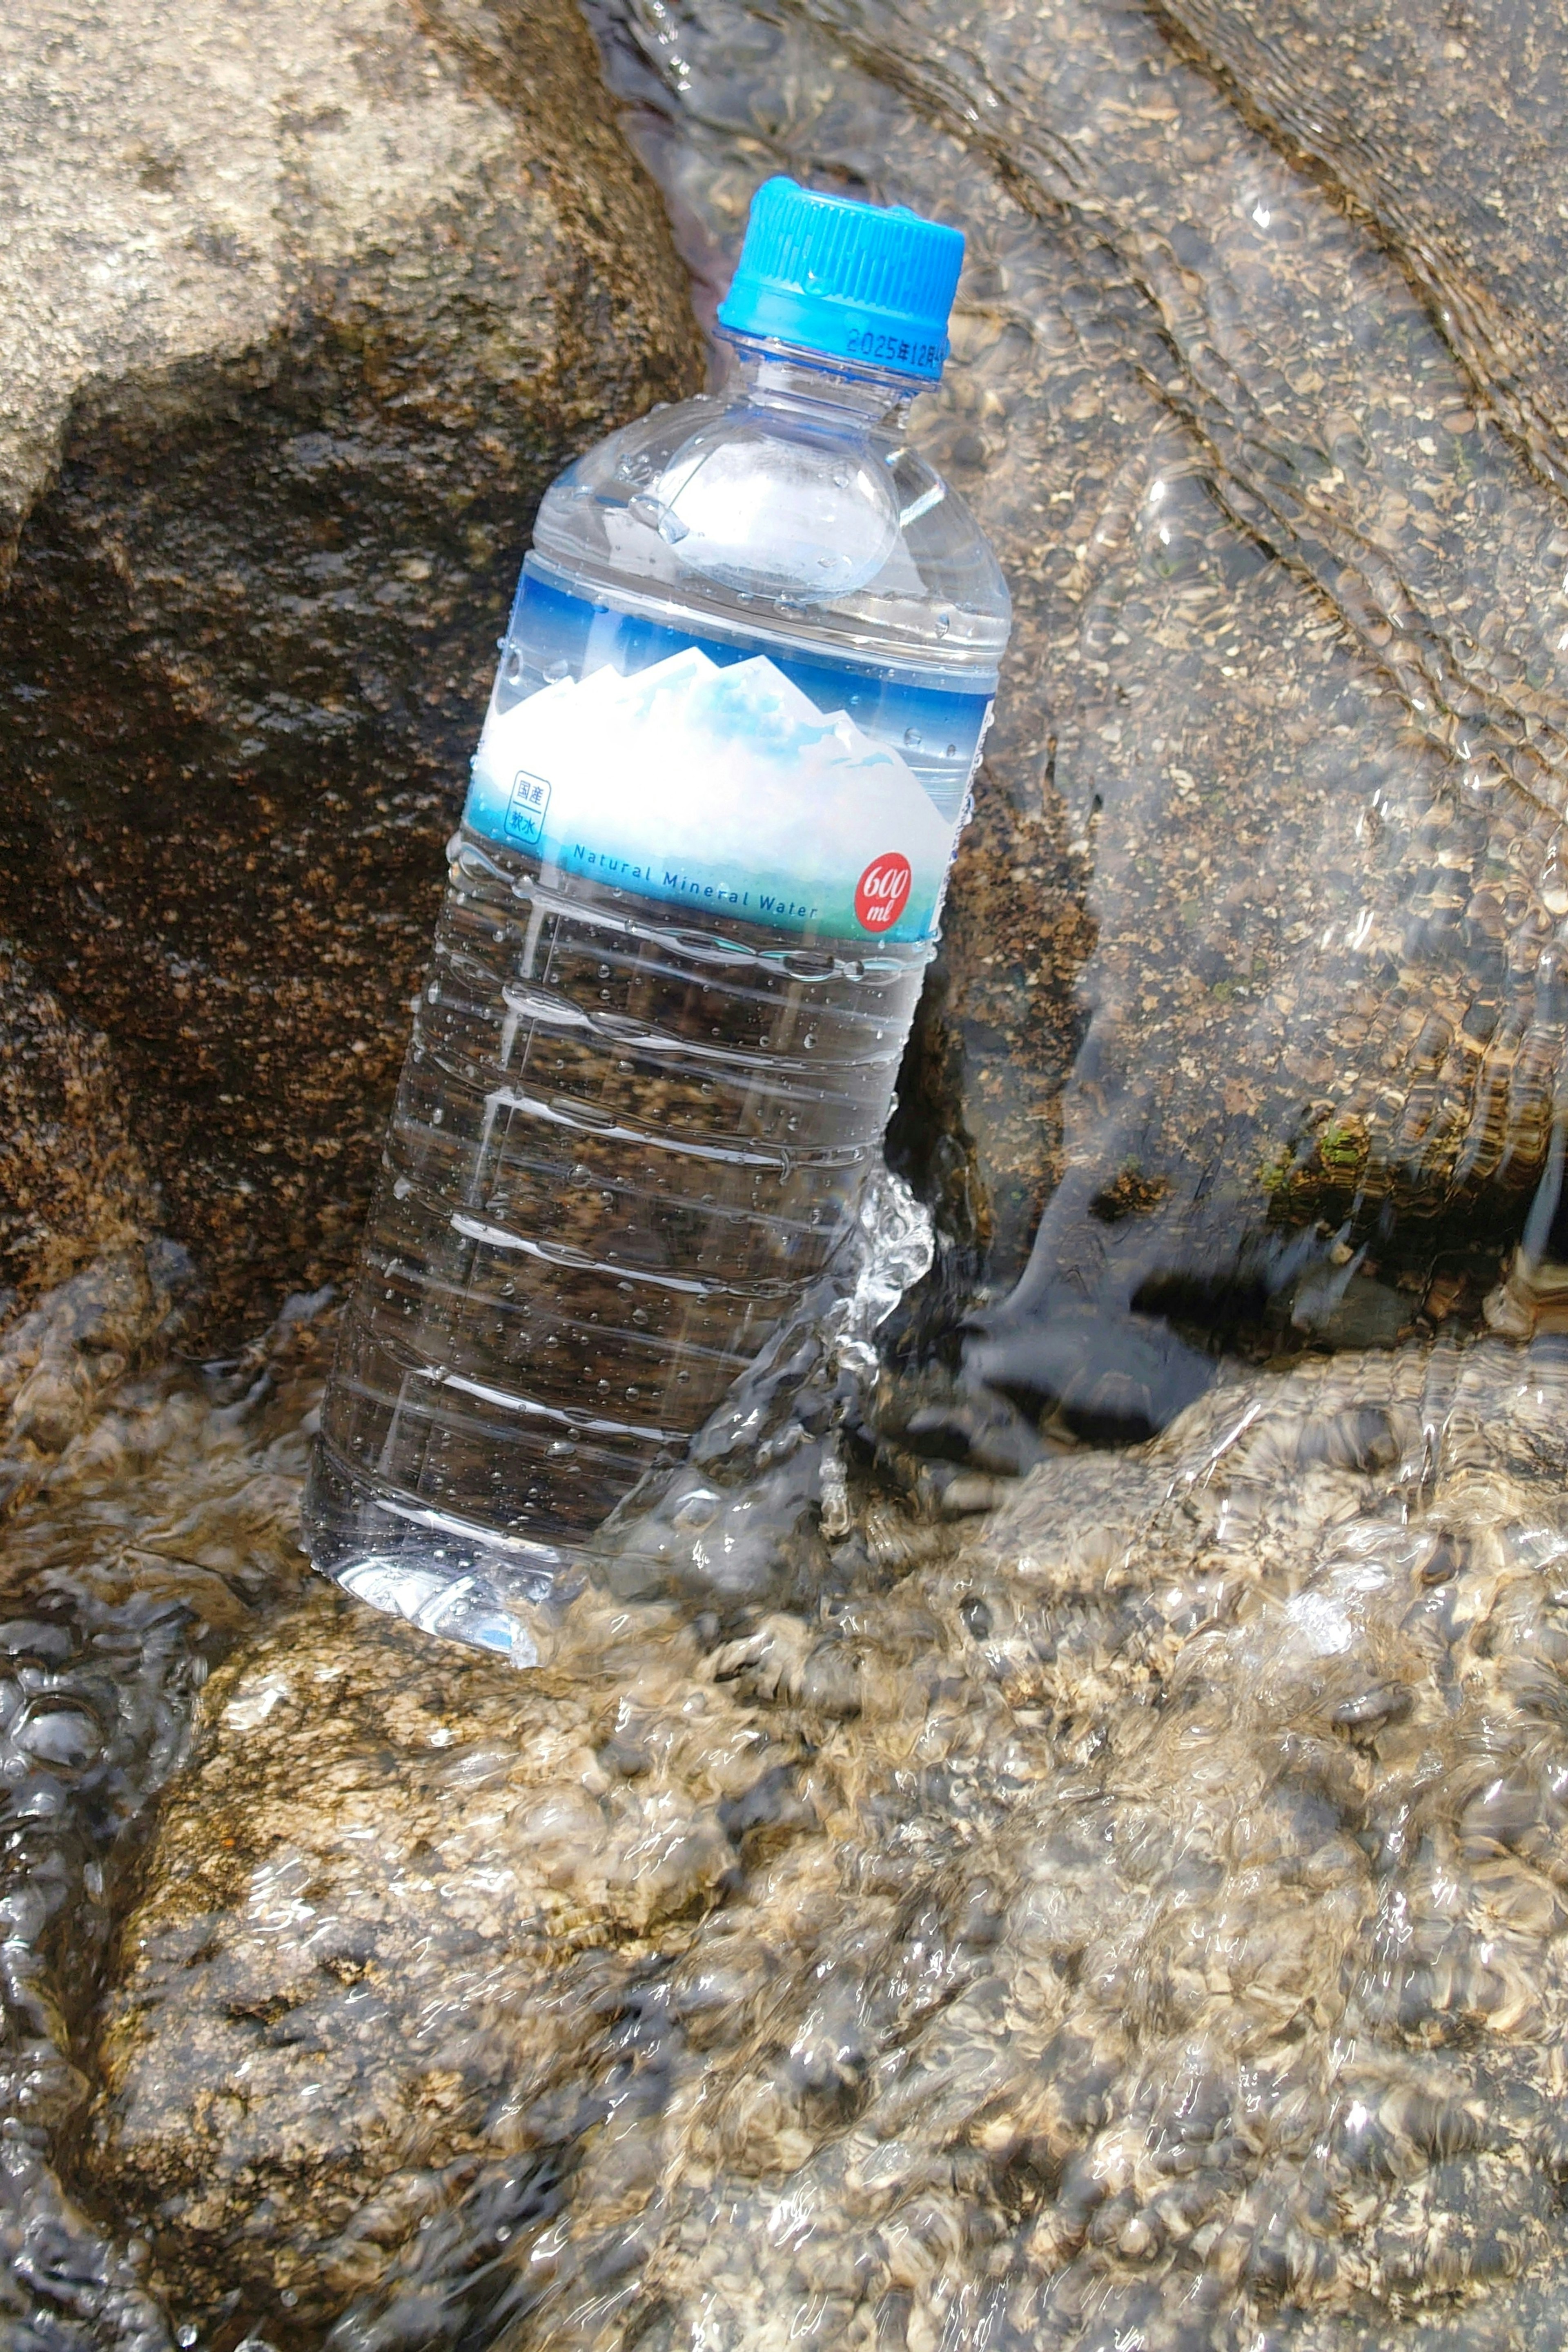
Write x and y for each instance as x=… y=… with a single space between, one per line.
x=1443 y=130
x=302 y=308
x=1250 y=1011
x=1139 y=1919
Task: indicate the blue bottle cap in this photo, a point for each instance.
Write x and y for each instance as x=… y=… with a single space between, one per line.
x=864 y=282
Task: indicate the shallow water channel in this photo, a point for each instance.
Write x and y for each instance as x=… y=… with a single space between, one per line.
x=1055 y=1834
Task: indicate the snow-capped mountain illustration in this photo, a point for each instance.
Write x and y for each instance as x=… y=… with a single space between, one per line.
x=719 y=784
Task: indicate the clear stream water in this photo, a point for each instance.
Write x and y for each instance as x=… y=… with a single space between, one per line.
x=968 y=1873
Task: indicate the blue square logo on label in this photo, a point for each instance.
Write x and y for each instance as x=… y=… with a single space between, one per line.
x=525 y=810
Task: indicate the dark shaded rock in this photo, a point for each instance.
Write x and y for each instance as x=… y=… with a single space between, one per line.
x=70 y=1179
x=298 y=345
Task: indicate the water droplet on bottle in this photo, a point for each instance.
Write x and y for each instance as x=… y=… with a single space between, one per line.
x=556 y=670
x=943 y=623
x=513 y=666
x=912 y=737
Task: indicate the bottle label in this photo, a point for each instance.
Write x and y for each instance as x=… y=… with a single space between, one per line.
x=750 y=786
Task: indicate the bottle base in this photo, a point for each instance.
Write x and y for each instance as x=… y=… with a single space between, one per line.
x=460 y=1581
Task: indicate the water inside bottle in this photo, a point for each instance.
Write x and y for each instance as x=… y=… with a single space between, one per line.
x=621 y=1148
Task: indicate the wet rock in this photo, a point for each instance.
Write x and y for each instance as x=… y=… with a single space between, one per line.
x=300 y=321
x=1142 y=1917
x=1136 y=1919
x=71 y=1180
x=150 y=1515
x=80 y=1340
x=1253 y=962
x=386 y=1904
x=1409 y=118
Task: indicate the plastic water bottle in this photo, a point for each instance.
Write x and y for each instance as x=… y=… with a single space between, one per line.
x=694 y=891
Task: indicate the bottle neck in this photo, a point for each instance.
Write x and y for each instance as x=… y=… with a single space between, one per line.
x=777 y=375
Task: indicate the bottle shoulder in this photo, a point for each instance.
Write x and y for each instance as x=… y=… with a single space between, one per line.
x=818 y=527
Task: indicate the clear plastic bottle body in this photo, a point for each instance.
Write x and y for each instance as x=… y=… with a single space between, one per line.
x=631 y=1128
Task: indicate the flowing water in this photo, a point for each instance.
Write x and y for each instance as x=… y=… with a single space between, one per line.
x=963 y=1877
x=1272 y=851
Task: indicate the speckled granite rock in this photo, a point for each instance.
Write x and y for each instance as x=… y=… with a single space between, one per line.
x=301 y=307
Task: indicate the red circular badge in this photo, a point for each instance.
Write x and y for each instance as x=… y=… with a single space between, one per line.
x=882 y=891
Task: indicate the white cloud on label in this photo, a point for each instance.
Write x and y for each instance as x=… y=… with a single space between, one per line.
x=732 y=770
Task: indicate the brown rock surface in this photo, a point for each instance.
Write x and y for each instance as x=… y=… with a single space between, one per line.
x=1141 y=1917
x=353 y=2003
x=301 y=308
x=69 y=1171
